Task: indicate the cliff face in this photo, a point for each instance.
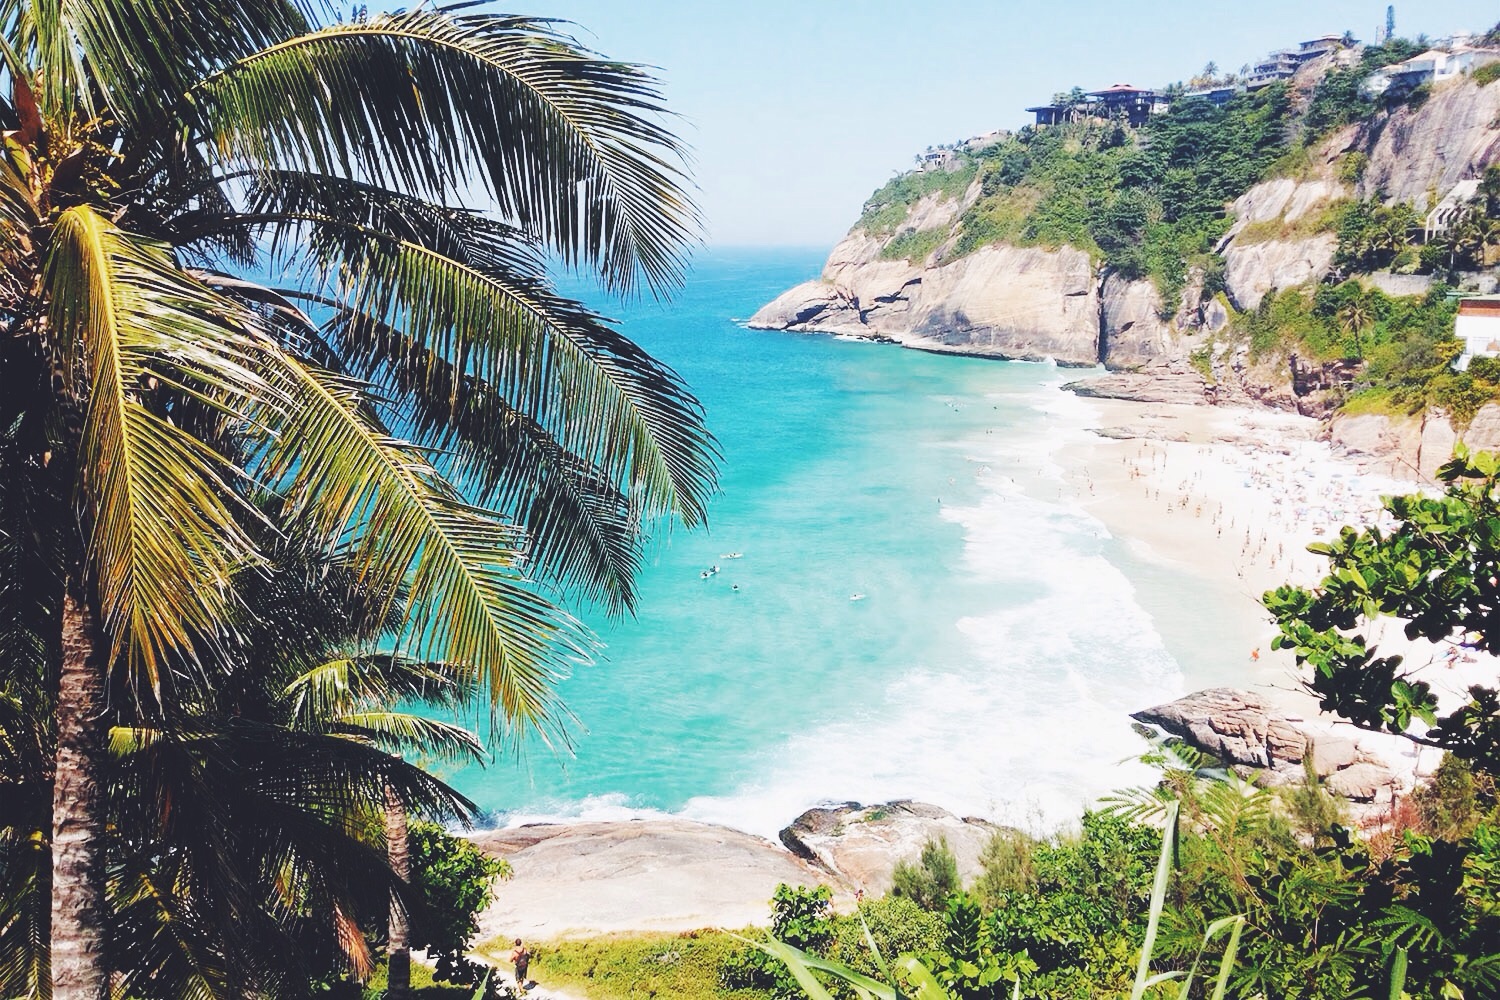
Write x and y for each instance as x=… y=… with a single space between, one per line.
x=1417 y=152
x=1000 y=301
x=1029 y=302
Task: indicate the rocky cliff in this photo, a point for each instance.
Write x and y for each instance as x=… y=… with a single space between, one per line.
x=1001 y=301
x=1032 y=302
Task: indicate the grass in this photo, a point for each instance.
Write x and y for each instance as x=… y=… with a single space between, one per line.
x=422 y=985
x=1376 y=400
x=1486 y=74
x=914 y=245
x=1324 y=220
x=999 y=218
x=1203 y=362
x=888 y=207
x=634 y=966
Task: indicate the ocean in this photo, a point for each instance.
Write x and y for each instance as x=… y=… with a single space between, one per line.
x=907 y=606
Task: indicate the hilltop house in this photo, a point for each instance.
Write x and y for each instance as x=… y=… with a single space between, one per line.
x=1432 y=66
x=936 y=159
x=1284 y=63
x=1478 y=328
x=1135 y=104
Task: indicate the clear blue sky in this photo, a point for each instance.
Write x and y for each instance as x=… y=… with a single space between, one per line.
x=798 y=109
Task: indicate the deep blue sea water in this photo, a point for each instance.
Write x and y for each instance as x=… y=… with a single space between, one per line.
x=989 y=664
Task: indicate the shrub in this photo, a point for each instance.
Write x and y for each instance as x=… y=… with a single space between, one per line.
x=1352 y=166
x=1456 y=799
x=1007 y=864
x=1487 y=74
x=928 y=883
x=454 y=882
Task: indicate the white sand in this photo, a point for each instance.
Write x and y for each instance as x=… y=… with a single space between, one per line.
x=1230 y=497
x=1234 y=496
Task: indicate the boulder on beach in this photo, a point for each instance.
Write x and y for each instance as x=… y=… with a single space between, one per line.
x=1246 y=732
x=861 y=845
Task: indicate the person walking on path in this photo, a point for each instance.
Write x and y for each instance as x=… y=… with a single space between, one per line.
x=521 y=959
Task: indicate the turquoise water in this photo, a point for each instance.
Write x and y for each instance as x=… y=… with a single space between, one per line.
x=990 y=662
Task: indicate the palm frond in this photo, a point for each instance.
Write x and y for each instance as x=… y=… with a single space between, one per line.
x=403 y=526
x=166 y=533
x=134 y=56
x=599 y=395
x=172 y=951
x=569 y=144
x=405 y=732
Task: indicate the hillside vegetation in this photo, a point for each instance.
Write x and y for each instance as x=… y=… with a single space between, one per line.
x=1155 y=203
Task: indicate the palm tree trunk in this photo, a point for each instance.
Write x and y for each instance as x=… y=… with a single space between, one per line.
x=398 y=935
x=78 y=961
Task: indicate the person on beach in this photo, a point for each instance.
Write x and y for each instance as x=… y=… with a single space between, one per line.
x=521 y=959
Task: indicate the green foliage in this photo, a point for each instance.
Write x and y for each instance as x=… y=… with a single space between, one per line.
x=1435 y=569
x=636 y=966
x=897 y=925
x=1007 y=864
x=1486 y=74
x=800 y=917
x=1149 y=203
x=454 y=883
x=1453 y=803
x=929 y=882
x=914 y=245
x=1352 y=166
x=1337 y=101
x=1313 y=811
x=1406 y=344
x=424 y=986
x=1371 y=234
x=887 y=208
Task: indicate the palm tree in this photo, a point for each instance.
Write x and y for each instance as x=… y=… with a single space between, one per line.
x=1354 y=319
x=162 y=160
x=246 y=854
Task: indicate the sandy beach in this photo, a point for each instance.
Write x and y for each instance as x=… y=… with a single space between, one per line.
x=1234 y=496
x=1228 y=496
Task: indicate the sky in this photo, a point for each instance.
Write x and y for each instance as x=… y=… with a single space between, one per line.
x=796 y=110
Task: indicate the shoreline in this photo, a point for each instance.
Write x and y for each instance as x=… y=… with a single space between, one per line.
x=1227 y=496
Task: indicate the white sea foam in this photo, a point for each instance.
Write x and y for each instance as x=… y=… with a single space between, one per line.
x=1035 y=725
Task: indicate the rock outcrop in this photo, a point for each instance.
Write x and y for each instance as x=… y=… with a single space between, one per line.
x=1417 y=152
x=1410 y=447
x=1245 y=732
x=861 y=845
x=679 y=875
x=664 y=875
x=1025 y=303
x=1252 y=270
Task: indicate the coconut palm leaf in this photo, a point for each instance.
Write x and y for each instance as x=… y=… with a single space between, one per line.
x=404 y=527
x=598 y=179
x=402 y=732
x=167 y=533
x=172 y=949
x=132 y=56
x=349 y=683
x=603 y=398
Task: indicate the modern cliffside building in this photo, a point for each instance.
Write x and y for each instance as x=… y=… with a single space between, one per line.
x=1284 y=63
x=1478 y=328
x=1432 y=66
x=1134 y=104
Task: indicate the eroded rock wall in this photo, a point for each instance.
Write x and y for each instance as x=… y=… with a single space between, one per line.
x=1012 y=302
